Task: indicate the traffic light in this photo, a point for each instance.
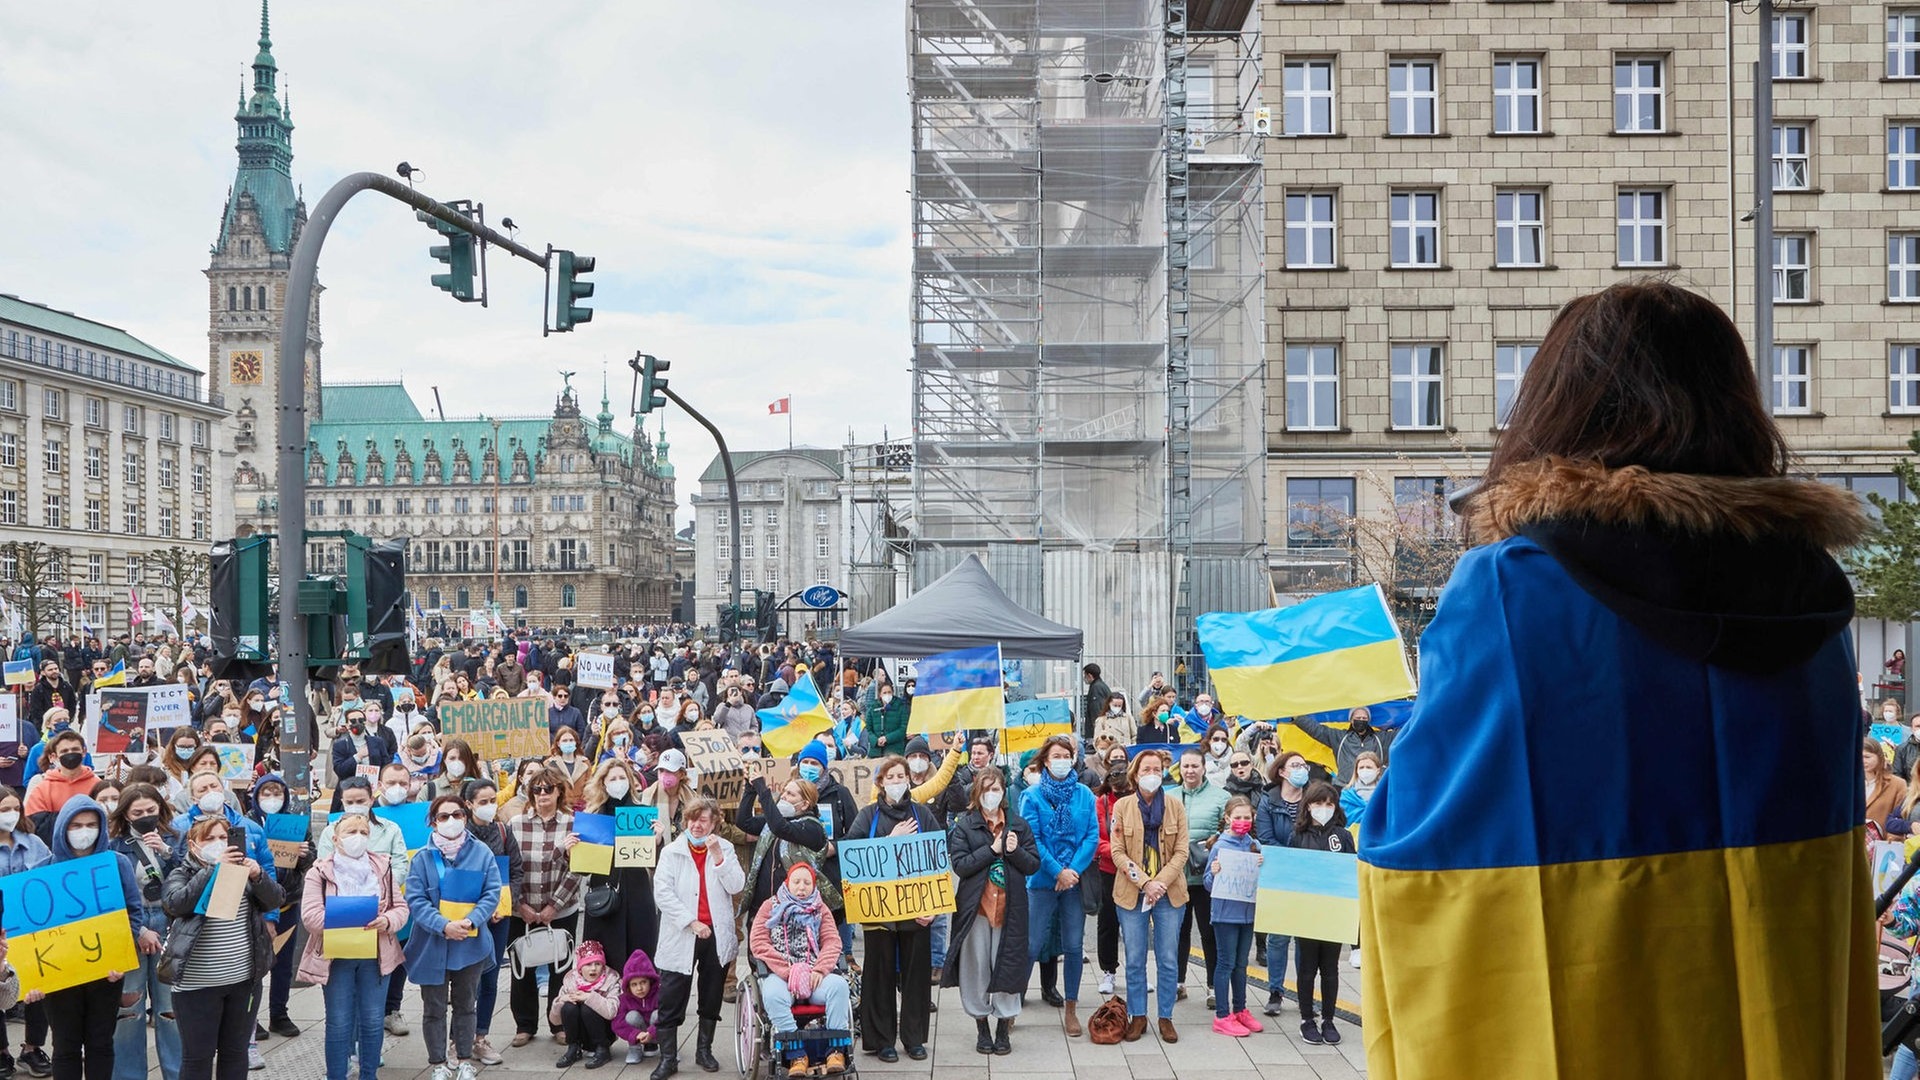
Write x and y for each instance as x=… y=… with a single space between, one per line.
x=386 y=584
x=456 y=253
x=653 y=383
x=572 y=267
x=241 y=617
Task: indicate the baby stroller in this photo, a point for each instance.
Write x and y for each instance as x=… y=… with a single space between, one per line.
x=1899 y=1008
x=760 y=1053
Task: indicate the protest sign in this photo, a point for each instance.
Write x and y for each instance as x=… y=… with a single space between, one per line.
x=119 y=726
x=1238 y=877
x=855 y=774
x=1885 y=860
x=1891 y=734
x=409 y=818
x=594 y=853
x=593 y=670
x=498 y=727
x=1310 y=894
x=635 y=842
x=236 y=762
x=344 y=934
x=890 y=878
x=18 y=672
x=285 y=834
x=716 y=760
x=9 y=719
x=66 y=923
x=1030 y=723
x=461 y=891
x=226 y=890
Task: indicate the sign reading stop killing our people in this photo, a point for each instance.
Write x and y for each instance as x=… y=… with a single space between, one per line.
x=892 y=878
x=67 y=924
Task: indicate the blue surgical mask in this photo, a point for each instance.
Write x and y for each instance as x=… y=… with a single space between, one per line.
x=1297 y=777
x=810 y=772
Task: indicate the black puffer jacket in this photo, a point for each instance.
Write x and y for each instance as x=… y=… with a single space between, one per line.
x=184 y=887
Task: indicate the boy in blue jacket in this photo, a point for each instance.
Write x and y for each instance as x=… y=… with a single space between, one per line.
x=84 y=1017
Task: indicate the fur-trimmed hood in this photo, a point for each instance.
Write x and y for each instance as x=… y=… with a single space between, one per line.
x=1732 y=571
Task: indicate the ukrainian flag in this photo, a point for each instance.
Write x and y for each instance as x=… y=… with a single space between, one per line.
x=958 y=690
x=344 y=934
x=1330 y=652
x=1309 y=894
x=116 y=677
x=793 y=723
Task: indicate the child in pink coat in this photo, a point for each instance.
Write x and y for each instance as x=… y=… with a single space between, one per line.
x=585 y=1007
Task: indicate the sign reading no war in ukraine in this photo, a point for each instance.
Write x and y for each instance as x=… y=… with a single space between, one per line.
x=67 y=923
x=891 y=878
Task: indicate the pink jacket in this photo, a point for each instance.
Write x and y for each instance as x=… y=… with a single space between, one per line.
x=603 y=996
x=313 y=915
x=761 y=942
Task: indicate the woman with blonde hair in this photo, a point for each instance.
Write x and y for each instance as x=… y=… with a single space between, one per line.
x=631 y=922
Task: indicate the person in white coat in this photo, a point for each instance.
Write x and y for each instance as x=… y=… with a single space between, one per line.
x=695 y=882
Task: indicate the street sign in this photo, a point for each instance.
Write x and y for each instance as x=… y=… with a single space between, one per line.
x=820 y=596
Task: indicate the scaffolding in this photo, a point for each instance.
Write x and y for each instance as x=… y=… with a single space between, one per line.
x=1088 y=385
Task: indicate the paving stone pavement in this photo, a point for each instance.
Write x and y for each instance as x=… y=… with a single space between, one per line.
x=1040 y=1047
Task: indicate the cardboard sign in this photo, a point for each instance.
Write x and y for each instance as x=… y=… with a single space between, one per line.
x=344 y=934
x=66 y=923
x=719 y=771
x=1891 y=734
x=854 y=774
x=594 y=853
x=119 y=726
x=1238 y=877
x=635 y=835
x=594 y=670
x=236 y=762
x=285 y=834
x=498 y=727
x=226 y=890
x=891 y=878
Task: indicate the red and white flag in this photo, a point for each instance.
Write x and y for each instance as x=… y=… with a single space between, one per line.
x=134 y=611
x=72 y=596
x=784 y=405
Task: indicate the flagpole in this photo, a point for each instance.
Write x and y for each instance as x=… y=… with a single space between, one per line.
x=789 y=421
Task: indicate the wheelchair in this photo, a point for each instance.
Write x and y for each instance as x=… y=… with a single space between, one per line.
x=763 y=1056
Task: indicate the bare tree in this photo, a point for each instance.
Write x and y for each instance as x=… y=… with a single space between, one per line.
x=37 y=569
x=180 y=570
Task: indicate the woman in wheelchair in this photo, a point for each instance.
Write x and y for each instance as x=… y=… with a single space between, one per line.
x=795 y=938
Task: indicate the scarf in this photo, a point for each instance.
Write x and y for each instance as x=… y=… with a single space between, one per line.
x=354 y=877
x=1059 y=798
x=447 y=847
x=793 y=926
x=1365 y=791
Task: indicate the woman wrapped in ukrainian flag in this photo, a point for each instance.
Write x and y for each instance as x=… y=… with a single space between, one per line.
x=1621 y=836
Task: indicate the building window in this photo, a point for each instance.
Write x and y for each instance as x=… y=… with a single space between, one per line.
x=316 y=507
x=130 y=419
x=746 y=546
x=463 y=599
x=1413 y=97
x=1509 y=367
x=1319 y=512
x=9 y=390
x=576 y=503
x=433 y=599
x=1639 y=94
x=822 y=546
x=746 y=579
x=96 y=462
x=820 y=516
x=1416 y=386
x=96 y=569
x=1903 y=155
x=1792 y=157
x=1516 y=95
x=726 y=550
x=167 y=421
x=96 y=515
x=1903 y=45
x=462 y=557
x=431 y=503
x=520 y=596
x=55 y=454
x=343 y=507
x=1313 y=387
x=56 y=512
x=1792 y=380
x=166 y=521
x=200 y=433
x=130 y=467
x=1416 y=229
x=130 y=519
x=569 y=554
x=1309 y=97
x=773 y=517
x=54 y=404
x=1903 y=268
x=1903 y=372
x=462 y=504
x=773 y=579
x=522 y=555
x=1790 y=40
x=520 y=504
x=568 y=597
x=167 y=469
x=9 y=449
x=96 y=413
x=1642 y=227
x=1792 y=268
x=773 y=545
x=1420 y=506
x=202 y=528
x=1520 y=228
x=9 y=508
x=200 y=479
x=746 y=518
x=1310 y=229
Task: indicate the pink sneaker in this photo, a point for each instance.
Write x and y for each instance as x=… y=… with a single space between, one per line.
x=1245 y=1019
x=1227 y=1025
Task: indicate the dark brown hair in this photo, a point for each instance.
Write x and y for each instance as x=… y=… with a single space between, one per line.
x=1643 y=373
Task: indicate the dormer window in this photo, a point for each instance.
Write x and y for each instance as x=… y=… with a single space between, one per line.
x=246 y=247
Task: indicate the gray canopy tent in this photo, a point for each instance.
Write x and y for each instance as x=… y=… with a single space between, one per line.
x=962 y=610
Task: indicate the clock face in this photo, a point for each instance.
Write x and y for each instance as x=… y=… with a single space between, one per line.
x=245 y=367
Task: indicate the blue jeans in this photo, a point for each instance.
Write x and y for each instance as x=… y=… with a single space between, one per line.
x=1905 y=1065
x=1231 y=944
x=130 y=1033
x=777 y=999
x=941 y=925
x=1161 y=923
x=356 y=998
x=489 y=994
x=1278 y=946
x=1043 y=904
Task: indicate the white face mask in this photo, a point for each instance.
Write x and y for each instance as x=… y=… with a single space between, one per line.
x=642 y=758
x=886 y=699
x=81 y=837
x=456 y=768
x=396 y=794
x=361 y=809
x=136 y=757
x=1219 y=748
x=353 y=845
x=786 y=808
x=918 y=766
x=1366 y=776
x=618 y=787
x=896 y=791
x=451 y=830
x=1321 y=814
x=9 y=820
x=1060 y=767
x=109 y=805
x=211 y=802
x=213 y=851
x=484 y=813
x=271 y=804
x=990 y=800
x=1148 y=782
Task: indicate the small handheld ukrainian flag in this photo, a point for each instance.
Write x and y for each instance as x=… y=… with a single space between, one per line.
x=115 y=677
x=790 y=725
x=1331 y=652
x=958 y=690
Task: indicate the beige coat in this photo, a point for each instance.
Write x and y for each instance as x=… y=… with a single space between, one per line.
x=1129 y=846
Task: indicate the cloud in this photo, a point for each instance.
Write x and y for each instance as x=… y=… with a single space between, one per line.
x=740 y=177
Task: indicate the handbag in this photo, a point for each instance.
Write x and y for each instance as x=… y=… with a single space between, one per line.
x=602 y=900
x=1108 y=1024
x=541 y=945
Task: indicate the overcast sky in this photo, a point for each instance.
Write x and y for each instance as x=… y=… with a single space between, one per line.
x=739 y=171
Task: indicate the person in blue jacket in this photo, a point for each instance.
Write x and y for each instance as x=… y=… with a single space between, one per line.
x=83 y=1017
x=445 y=956
x=1060 y=810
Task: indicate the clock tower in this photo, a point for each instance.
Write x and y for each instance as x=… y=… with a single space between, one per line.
x=246 y=293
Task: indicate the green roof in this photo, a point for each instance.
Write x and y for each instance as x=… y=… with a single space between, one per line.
x=717 y=473
x=355 y=402
x=98 y=334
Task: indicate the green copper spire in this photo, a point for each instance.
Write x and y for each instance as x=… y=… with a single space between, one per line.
x=606 y=404
x=660 y=451
x=265 y=148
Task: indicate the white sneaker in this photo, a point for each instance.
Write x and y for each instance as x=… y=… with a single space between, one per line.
x=1106 y=983
x=397 y=1026
x=441 y=1072
x=1354 y=959
x=633 y=1054
x=466 y=1071
x=254 y=1061
x=484 y=1053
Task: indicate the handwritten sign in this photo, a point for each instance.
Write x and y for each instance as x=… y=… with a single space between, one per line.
x=891 y=878
x=236 y=761
x=9 y=718
x=593 y=670
x=594 y=853
x=67 y=924
x=635 y=842
x=1030 y=723
x=226 y=889
x=498 y=727
x=1891 y=734
x=1238 y=877
x=285 y=834
x=854 y=774
x=716 y=760
x=344 y=934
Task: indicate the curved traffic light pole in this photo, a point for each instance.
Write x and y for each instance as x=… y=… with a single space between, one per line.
x=291 y=411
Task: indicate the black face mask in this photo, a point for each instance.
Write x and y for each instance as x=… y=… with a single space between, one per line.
x=143 y=825
x=72 y=759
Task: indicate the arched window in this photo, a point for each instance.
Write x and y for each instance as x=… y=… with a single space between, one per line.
x=520 y=596
x=566 y=596
x=246 y=298
x=263 y=298
x=433 y=599
x=463 y=600
x=232 y=299
x=489 y=595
